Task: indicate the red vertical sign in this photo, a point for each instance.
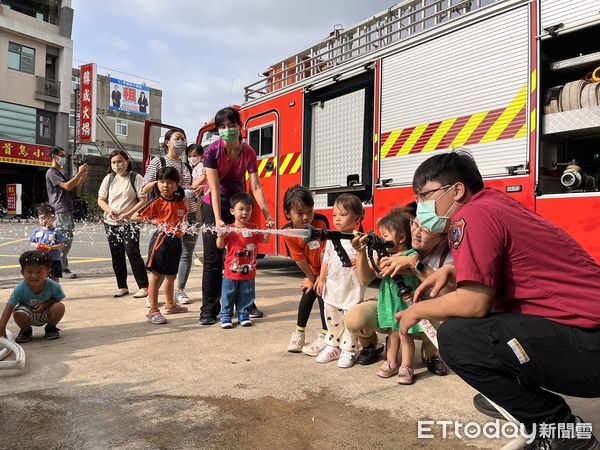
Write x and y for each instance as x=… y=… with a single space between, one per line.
x=87 y=103
x=14 y=204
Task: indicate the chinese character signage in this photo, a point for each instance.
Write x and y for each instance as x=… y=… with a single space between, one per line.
x=129 y=97
x=23 y=153
x=87 y=103
x=14 y=193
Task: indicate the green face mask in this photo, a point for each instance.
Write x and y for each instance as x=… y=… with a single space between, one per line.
x=229 y=134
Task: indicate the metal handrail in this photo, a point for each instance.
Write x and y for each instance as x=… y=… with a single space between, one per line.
x=335 y=50
x=48 y=86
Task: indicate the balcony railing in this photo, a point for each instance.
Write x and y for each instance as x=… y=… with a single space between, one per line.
x=48 y=86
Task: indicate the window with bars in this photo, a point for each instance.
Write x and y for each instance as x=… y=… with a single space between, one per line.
x=121 y=128
x=21 y=58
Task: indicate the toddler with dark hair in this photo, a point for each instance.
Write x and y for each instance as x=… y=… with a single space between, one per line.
x=48 y=239
x=36 y=300
x=240 y=262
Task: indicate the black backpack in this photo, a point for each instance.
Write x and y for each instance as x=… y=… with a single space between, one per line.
x=163 y=162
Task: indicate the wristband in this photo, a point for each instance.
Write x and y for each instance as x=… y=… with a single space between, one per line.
x=419 y=267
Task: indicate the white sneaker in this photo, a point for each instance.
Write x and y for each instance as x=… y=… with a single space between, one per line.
x=296 y=342
x=328 y=354
x=346 y=359
x=182 y=298
x=314 y=348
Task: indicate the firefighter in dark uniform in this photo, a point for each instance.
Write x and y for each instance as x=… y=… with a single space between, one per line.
x=525 y=317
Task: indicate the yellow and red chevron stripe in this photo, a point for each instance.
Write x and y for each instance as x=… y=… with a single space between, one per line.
x=482 y=127
x=288 y=164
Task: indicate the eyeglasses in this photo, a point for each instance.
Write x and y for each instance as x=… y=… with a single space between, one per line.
x=416 y=226
x=422 y=196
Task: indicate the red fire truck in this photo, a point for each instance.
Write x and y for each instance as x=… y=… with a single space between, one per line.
x=513 y=81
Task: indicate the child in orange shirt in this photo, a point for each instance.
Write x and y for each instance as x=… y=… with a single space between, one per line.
x=168 y=211
x=298 y=206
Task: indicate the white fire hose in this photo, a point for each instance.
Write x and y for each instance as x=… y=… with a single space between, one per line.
x=8 y=346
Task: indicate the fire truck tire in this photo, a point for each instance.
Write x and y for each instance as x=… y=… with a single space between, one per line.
x=245 y=270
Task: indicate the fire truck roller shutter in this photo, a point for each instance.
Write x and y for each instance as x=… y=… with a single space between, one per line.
x=337 y=141
x=477 y=99
x=572 y=15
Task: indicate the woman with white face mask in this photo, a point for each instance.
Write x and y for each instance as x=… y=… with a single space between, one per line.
x=176 y=144
x=120 y=195
x=195 y=156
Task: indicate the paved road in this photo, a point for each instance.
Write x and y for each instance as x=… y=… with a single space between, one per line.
x=115 y=381
x=89 y=255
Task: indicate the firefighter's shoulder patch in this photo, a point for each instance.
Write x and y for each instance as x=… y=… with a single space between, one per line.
x=456 y=233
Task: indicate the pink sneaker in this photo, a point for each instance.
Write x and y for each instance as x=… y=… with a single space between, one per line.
x=386 y=370
x=156 y=318
x=405 y=375
x=175 y=309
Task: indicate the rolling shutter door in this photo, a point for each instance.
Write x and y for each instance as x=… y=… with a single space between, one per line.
x=570 y=13
x=337 y=139
x=466 y=88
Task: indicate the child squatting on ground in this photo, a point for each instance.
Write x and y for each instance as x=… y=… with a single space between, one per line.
x=240 y=262
x=340 y=286
x=298 y=206
x=168 y=211
x=36 y=300
x=48 y=239
x=394 y=227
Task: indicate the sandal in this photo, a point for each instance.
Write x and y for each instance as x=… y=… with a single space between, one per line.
x=386 y=370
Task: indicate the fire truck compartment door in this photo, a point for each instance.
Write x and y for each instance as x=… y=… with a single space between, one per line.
x=572 y=15
x=467 y=88
x=337 y=140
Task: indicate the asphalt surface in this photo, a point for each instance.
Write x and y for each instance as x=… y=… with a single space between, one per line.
x=89 y=255
x=115 y=381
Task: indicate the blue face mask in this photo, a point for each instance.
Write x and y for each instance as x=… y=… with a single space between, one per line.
x=429 y=219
